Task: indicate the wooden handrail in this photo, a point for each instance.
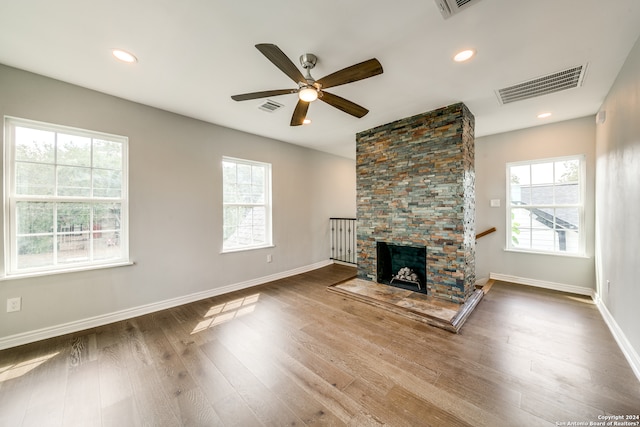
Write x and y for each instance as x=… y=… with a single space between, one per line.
x=485 y=232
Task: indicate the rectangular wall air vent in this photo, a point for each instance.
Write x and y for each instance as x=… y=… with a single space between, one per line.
x=270 y=106
x=451 y=7
x=565 y=79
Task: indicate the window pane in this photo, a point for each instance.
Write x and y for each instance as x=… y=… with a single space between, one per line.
x=107 y=216
x=73 y=247
x=34 y=145
x=259 y=225
x=520 y=228
x=106 y=245
x=244 y=193
x=73 y=218
x=257 y=194
x=519 y=184
x=520 y=175
x=35 y=251
x=74 y=181
x=567 y=218
x=34 y=217
x=107 y=183
x=567 y=194
x=567 y=171
x=542 y=173
x=229 y=172
x=73 y=150
x=230 y=220
x=34 y=179
x=257 y=177
x=107 y=154
x=244 y=174
x=542 y=194
x=542 y=239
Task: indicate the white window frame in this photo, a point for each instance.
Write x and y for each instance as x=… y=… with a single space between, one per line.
x=11 y=198
x=267 y=206
x=509 y=245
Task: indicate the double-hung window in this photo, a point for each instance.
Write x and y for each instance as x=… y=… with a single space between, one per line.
x=545 y=209
x=246 y=203
x=65 y=198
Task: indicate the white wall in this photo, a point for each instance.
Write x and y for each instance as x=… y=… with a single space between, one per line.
x=175 y=206
x=492 y=154
x=618 y=203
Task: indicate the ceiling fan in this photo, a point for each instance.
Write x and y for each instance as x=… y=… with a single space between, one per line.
x=309 y=89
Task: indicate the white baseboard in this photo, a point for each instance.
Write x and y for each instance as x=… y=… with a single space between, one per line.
x=562 y=287
x=627 y=349
x=92 y=322
x=625 y=346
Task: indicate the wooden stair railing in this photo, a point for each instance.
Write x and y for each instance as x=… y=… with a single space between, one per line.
x=485 y=232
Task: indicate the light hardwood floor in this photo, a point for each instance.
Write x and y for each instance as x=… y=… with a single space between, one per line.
x=291 y=353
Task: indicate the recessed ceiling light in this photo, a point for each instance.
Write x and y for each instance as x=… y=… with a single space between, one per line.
x=544 y=115
x=124 y=56
x=306 y=121
x=464 y=55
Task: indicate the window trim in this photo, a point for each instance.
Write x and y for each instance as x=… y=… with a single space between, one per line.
x=10 y=200
x=267 y=204
x=581 y=253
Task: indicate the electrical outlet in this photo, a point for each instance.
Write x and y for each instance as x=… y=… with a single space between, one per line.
x=14 y=304
x=269 y=258
x=608 y=286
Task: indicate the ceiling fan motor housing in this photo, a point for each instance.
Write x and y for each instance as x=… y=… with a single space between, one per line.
x=308 y=61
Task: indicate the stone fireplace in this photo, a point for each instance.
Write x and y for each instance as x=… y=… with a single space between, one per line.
x=416 y=189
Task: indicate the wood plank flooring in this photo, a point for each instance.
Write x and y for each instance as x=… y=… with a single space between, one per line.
x=290 y=353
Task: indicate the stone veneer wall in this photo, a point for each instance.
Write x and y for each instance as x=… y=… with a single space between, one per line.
x=416 y=186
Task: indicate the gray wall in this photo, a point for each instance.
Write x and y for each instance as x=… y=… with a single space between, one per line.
x=492 y=154
x=175 y=206
x=618 y=201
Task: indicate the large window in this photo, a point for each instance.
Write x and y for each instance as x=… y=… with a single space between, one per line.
x=545 y=209
x=65 y=198
x=247 y=204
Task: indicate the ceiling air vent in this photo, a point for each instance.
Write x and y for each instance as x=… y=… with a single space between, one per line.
x=270 y=106
x=451 y=7
x=565 y=79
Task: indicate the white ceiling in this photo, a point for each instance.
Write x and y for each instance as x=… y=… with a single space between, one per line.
x=193 y=55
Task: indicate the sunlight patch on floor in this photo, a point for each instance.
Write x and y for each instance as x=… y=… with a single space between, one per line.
x=10 y=372
x=222 y=313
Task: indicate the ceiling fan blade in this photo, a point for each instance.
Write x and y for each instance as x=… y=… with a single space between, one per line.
x=282 y=61
x=263 y=94
x=299 y=113
x=343 y=104
x=354 y=73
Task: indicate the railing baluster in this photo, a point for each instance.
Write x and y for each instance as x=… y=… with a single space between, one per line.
x=343 y=239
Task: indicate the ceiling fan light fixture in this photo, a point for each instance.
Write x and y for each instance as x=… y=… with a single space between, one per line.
x=308 y=94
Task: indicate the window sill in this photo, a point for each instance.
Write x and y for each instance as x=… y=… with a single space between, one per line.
x=556 y=254
x=252 y=248
x=64 y=271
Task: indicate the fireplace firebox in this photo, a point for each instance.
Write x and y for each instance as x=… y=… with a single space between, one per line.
x=402 y=266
